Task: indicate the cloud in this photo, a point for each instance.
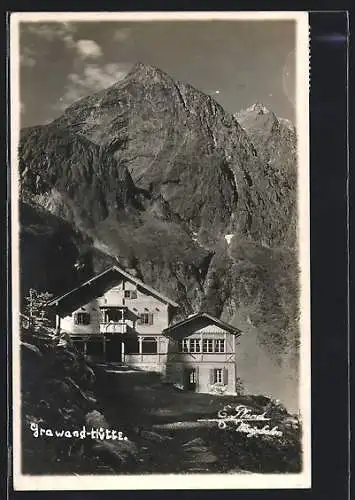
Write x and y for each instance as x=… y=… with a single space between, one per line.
x=51 y=31
x=88 y=49
x=120 y=35
x=27 y=57
x=91 y=79
x=95 y=77
x=36 y=39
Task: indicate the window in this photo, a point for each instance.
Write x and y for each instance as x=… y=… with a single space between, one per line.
x=192 y=376
x=184 y=345
x=113 y=315
x=218 y=376
x=146 y=319
x=219 y=345
x=130 y=294
x=149 y=345
x=131 y=346
x=82 y=318
x=195 y=345
x=207 y=345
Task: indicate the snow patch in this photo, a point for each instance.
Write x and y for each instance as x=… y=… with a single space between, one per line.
x=194 y=237
x=228 y=238
x=121 y=371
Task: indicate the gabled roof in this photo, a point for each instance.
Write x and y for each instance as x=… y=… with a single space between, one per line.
x=200 y=320
x=108 y=274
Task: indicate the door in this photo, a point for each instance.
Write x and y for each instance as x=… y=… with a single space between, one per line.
x=190 y=379
x=114 y=350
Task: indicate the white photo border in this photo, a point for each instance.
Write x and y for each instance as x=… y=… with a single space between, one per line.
x=172 y=481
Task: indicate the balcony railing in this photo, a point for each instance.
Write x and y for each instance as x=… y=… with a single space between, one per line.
x=113 y=327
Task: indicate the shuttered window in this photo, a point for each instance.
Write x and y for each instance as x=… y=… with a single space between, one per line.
x=146 y=319
x=219 y=376
x=130 y=294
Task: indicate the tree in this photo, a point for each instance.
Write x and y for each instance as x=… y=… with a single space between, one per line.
x=35 y=308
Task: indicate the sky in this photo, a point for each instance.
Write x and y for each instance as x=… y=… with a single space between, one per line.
x=237 y=62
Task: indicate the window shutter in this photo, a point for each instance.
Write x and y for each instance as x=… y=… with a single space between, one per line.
x=197 y=377
x=212 y=376
x=75 y=318
x=225 y=376
x=150 y=318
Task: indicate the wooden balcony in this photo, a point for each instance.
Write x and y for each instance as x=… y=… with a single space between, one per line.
x=119 y=327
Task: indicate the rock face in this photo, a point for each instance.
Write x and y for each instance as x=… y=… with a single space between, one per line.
x=155 y=173
x=275 y=140
x=54 y=255
x=180 y=146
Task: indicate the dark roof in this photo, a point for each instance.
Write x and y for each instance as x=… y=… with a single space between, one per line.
x=201 y=318
x=106 y=273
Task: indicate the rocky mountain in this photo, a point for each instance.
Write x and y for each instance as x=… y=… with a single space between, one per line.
x=201 y=203
x=273 y=137
x=181 y=147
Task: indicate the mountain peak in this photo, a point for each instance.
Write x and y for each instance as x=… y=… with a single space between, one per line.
x=259 y=108
x=258 y=111
x=142 y=70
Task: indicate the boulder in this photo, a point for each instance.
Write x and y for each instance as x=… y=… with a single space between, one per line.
x=194 y=442
x=116 y=451
x=154 y=436
x=96 y=420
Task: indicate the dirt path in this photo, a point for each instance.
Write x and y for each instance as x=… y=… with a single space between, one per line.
x=164 y=423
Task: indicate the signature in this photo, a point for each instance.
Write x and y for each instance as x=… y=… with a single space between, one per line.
x=239 y=418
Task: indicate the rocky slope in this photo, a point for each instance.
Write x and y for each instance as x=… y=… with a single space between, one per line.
x=54 y=255
x=58 y=396
x=155 y=173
